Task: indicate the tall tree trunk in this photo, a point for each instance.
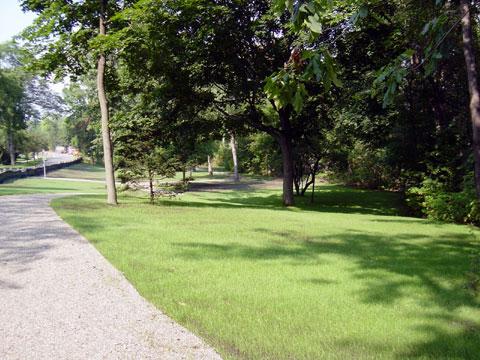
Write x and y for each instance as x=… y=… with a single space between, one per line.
x=11 y=147
x=287 y=162
x=233 y=146
x=210 y=167
x=102 y=98
x=472 y=86
x=285 y=141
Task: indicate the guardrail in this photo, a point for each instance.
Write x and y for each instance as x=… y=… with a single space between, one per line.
x=11 y=174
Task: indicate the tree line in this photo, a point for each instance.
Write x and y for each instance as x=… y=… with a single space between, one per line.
x=380 y=94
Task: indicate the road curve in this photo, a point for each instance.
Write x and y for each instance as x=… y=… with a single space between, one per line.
x=60 y=299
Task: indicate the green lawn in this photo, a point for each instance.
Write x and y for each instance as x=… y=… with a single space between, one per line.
x=80 y=171
x=20 y=164
x=35 y=185
x=97 y=172
x=343 y=279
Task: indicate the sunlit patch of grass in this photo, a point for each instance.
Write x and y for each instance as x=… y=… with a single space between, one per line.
x=80 y=171
x=37 y=185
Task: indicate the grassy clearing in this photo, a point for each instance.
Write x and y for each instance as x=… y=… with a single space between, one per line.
x=35 y=185
x=80 y=171
x=345 y=278
x=97 y=172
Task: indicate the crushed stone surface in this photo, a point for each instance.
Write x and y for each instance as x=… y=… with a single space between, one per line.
x=61 y=299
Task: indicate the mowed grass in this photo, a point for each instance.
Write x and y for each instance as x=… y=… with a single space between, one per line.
x=80 y=171
x=21 y=164
x=37 y=185
x=343 y=279
x=86 y=171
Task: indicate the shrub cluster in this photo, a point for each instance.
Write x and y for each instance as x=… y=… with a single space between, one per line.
x=433 y=200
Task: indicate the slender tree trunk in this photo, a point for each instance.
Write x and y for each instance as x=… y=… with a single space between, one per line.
x=210 y=167
x=297 y=179
x=296 y=183
x=11 y=147
x=150 y=184
x=472 y=87
x=102 y=98
x=312 y=199
x=233 y=146
x=184 y=176
x=314 y=170
x=306 y=185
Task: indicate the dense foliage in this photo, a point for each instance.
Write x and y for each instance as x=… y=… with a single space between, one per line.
x=24 y=99
x=373 y=93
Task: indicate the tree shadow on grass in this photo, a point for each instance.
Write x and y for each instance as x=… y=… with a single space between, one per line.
x=328 y=198
x=461 y=342
x=415 y=256
x=388 y=269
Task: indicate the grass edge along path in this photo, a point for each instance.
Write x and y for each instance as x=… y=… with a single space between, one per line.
x=38 y=185
x=336 y=280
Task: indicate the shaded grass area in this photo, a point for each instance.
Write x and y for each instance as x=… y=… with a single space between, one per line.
x=343 y=278
x=333 y=198
x=35 y=185
x=80 y=171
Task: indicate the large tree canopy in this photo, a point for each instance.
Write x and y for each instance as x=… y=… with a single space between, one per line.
x=375 y=92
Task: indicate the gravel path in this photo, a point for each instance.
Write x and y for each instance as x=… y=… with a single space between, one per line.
x=60 y=299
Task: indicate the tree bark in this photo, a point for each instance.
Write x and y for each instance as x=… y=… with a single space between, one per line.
x=150 y=185
x=233 y=146
x=312 y=199
x=285 y=141
x=102 y=98
x=287 y=159
x=210 y=168
x=11 y=147
x=469 y=55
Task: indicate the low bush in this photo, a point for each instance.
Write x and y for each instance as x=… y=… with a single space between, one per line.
x=433 y=200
